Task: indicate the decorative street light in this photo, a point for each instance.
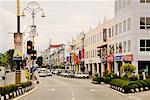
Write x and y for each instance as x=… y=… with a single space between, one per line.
x=33 y=8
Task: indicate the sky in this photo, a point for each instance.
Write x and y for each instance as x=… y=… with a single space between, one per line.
x=64 y=20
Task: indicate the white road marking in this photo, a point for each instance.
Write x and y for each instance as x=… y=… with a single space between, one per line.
x=52 y=89
x=27 y=93
x=92 y=90
x=134 y=98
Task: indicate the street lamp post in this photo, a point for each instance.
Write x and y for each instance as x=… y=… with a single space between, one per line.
x=33 y=8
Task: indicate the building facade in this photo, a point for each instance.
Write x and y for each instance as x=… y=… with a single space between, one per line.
x=97 y=41
x=132 y=41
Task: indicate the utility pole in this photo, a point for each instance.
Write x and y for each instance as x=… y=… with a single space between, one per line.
x=18 y=61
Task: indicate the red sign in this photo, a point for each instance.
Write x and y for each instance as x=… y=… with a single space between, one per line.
x=128 y=57
x=82 y=52
x=110 y=58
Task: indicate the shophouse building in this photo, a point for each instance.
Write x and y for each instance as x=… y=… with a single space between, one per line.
x=97 y=43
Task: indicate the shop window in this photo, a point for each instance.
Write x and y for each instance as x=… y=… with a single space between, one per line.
x=144 y=45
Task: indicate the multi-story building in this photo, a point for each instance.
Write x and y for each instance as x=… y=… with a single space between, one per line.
x=132 y=40
x=97 y=41
x=77 y=52
x=57 y=57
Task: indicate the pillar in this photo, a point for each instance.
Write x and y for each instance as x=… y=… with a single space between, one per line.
x=103 y=69
x=109 y=68
x=135 y=63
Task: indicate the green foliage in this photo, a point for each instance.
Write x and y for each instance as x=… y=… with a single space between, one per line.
x=39 y=61
x=7 y=58
x=133 y=78
x=97 y=78
x=107 y=79
x=129 y=69
x=13 y=87
x=128 y=85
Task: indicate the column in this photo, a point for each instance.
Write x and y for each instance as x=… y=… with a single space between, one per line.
x=116 y=67
x=135 y=63
x=103 y=69
x=97 y=68
x=109 y=68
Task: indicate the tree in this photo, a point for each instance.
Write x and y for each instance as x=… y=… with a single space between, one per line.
x=7 y=58
x=39 y=61
x=128 y=69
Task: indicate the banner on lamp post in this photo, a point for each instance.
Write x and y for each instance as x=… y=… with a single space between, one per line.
x=17 y=46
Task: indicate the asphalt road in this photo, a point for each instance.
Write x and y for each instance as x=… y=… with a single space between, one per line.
x=60 y=88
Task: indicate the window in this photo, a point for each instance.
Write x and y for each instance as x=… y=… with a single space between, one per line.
x=142 y=1
x=109 y=32
x=129 y=24
x=128 y=2
x=120 y=47
x=124 y=3
x=145 y=23
x=120 y=28
x=145 y=1
x=116 y=29
x=129 y=45
x=120 y=4
x=112 y=31
x=144 y=45
x=124 y=26
x=124 y=46
x=116 y=47
x=116 y=6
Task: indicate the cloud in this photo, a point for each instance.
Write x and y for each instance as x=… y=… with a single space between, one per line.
x=63 y=19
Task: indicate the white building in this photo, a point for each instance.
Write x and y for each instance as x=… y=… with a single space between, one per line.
x=132 y=41
x=94 y=39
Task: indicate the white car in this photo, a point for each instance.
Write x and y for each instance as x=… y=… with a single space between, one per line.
x=81 y=75
x=49 y=73
x=42 y=74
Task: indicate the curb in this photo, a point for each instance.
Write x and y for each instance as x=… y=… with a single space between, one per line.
x=16 y=93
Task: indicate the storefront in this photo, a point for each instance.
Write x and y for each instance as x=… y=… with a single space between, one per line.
x=110 y=63
x=119 y=63
x=144 y=66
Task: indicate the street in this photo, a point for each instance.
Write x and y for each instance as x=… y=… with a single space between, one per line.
x=60 y=88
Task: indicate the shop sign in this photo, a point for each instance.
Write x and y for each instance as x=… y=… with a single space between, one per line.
x=128 y=58
x=119 y=58
x=110 y=58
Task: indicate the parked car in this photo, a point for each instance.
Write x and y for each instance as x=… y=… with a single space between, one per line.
x=42 y=74
x=49 y=73
x=71 y=74
x=81 y=75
